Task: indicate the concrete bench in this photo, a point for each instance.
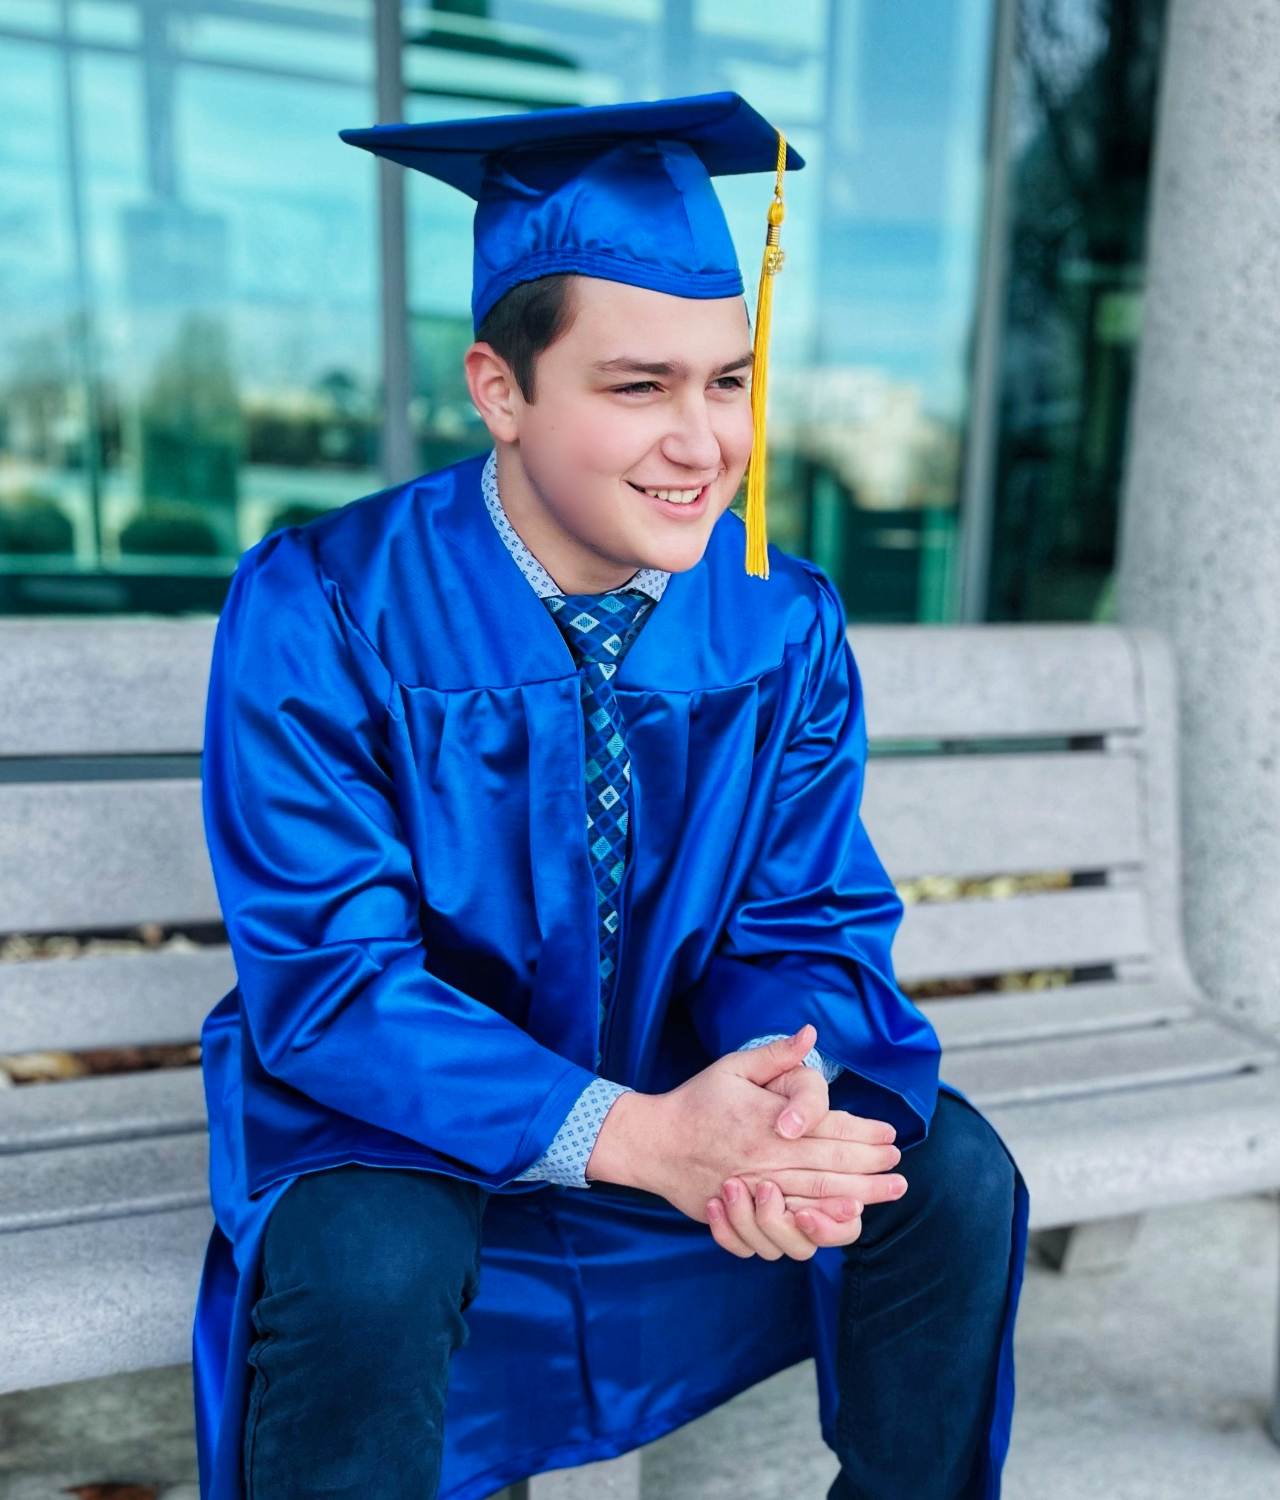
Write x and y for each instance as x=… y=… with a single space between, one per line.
x=1025 y=774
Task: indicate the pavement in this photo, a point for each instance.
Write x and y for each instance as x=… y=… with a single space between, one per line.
x=1147 y=1383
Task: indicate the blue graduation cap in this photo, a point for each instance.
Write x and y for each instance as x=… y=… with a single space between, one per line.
x=621 y=192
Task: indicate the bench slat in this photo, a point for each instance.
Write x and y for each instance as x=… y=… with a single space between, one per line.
x=110 y=1001
x=76 y=1184
x=1061 y=929
x=996 y=681
x=138 y=686
x=104 y=687
x=123 y=1106
x=1029 y=1072
x=1108 y=1155
x=1076 y=1009
x=89 y=854
x=93 y=1299
x=1003 y=814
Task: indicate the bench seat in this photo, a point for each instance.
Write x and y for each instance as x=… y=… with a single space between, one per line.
x=80 y=1184
x=93 y=1298
x=1105 y=1156
x=108 y=1283
x=1175 y=1108
x=104 y=1218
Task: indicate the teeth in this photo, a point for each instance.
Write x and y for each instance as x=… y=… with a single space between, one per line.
x=677 y=497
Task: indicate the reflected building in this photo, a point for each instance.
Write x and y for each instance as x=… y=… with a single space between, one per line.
x=185 y=232
x=192 y=276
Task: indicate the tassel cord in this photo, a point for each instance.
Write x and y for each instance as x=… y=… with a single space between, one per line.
x=757 y=560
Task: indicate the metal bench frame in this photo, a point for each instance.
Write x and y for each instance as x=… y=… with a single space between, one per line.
x=997 y=751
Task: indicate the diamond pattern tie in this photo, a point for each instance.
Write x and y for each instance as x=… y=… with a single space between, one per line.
x=599 y=630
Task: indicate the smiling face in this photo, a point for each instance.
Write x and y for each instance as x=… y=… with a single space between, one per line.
x=637 y=436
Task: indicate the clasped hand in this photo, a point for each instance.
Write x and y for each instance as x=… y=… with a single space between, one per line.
x=751 y=1147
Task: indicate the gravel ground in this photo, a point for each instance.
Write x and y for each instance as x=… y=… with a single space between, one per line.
x=1150 y=1383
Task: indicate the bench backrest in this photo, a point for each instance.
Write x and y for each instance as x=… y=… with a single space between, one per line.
x=101 y=827
x=1026 y=751
x=997 y=751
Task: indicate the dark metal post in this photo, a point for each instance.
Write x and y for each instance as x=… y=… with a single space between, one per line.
x=977 y=486
x=399 y=458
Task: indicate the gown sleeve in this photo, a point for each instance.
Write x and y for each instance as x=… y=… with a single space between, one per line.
x=320 y=898
x=810 y=935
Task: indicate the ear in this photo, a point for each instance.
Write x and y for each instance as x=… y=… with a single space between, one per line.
x=494 y=392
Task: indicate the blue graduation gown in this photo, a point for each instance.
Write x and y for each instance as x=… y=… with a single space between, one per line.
x=395 y=811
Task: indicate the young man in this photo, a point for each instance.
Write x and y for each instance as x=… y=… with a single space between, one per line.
x=566 y=1089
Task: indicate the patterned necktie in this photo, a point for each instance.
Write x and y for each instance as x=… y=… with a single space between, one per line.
x=599 y=630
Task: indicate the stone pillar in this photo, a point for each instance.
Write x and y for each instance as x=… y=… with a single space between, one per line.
x=1200 y=543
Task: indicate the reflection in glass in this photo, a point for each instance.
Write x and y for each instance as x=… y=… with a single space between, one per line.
x=189 y=351
x=1084 y=107
x=189 y=346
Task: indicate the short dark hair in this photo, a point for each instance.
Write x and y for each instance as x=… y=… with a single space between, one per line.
x=527 y=320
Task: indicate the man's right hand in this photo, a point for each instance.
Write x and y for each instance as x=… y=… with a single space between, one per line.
x=725 y=1122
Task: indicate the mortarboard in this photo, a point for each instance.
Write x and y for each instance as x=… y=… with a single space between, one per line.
x=622 y=192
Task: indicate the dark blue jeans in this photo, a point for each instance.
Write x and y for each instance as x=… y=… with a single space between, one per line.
x=343 y=1405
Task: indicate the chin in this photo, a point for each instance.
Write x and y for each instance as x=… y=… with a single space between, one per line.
x=677 y=556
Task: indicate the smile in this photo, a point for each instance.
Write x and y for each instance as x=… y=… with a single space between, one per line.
x=676 y=497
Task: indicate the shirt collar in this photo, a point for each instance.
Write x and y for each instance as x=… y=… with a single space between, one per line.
x=650 y=581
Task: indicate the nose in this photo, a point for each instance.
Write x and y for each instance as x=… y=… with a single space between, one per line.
x=692 y=442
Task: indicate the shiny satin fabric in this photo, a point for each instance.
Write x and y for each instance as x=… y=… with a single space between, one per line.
x=617 y=191
x=644 y=213
x=394 y=807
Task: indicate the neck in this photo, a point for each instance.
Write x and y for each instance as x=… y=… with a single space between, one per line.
x=576 y=567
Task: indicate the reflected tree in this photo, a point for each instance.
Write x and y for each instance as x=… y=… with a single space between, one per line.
x=191 y=428
x=1084 y=114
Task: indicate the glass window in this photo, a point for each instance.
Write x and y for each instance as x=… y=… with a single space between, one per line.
x=44 y=419
x=189 y=350
x=1084 y=84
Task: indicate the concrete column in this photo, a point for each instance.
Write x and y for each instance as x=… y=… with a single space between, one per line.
x=1200 y=545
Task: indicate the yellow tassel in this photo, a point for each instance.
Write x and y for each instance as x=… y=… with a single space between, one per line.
x=757 y=535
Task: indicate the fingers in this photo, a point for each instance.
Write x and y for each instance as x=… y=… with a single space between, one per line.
x=821 y=1229
x=842 y=1210
x=763 y=1223
x=880 y=1187
x=767 y=1227
x=741 y=1209
x=841 y=1126
x=762 y=1065
x=805 y=1090
x=775 y=1220
x=723 y=1232
x=823 y=1154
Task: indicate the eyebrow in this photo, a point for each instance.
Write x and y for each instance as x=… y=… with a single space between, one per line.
x=626 y=366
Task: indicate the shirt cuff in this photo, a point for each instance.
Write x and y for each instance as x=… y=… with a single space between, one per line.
x=565 y=1159
x=828 y=1067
